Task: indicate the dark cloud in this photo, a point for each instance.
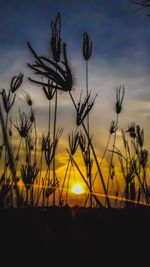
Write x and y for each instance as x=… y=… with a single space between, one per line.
x=112 y=24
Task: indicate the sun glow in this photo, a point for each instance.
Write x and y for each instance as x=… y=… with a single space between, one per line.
x=77 y=189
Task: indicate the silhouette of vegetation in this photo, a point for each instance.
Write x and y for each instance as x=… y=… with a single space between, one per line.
x=142 y=4
x=29 y=172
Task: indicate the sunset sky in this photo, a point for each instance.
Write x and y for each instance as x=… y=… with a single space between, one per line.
x=121 y=39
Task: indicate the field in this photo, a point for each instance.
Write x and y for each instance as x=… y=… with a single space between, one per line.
x=75 y=234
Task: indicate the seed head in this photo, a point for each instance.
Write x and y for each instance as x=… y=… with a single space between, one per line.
x=131 y=130
x=73 y=142
x=8 y=100
x=59 y=74
x=120 y=91
x=56 y=38
x=87 y=46
x=23 y=125
x=82 y=142
x=113 y=127
x=140 y=135
x=143 y=158
x=29 y=174
x=51 y=187
x=28 y=99
x=50 y=147
x=42 y=142
x=32 y=116
x=16 y=82
x=49 y=90
x=84 y=108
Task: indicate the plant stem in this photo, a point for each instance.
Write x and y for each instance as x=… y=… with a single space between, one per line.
x=10 y=157
x=5 y=162
x=102 y=158
x=94 y=154
x=35 y=149
x=89 y=174
x=49 y=118
x=54 y=136
x=142 y=186
x=60 y=198
x=112 y=155
x=94 y=196
x=68 y=184
x=39 y=180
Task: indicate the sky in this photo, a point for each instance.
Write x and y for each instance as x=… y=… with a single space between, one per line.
x=120 y=56
x=120 y=47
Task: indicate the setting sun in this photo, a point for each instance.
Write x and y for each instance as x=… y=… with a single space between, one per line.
x=77 y=189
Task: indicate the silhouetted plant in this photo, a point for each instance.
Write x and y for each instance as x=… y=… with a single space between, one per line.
x=142 y=4
x=84 y=108
x=9 y=164
x=29 y=174
x=87 y=46
x=73 y=142
x=120 y=92
x=59 y=74
x=8 y=100
x=49 y=91
x=56 y=38
x=28 y=99
x=23 y=125
x=87 y=52
x=16 y=82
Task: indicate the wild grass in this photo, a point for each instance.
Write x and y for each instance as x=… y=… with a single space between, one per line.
x=31 y=180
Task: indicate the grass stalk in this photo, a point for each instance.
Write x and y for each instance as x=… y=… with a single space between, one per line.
x=54 y=136
x=10 y=158
x=84 y=179
x=63 y=184
x=94 y=154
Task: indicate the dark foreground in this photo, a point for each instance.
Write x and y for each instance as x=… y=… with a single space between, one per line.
x=58 y=234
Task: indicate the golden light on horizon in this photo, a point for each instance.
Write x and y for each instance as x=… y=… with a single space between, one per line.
x=77 y=189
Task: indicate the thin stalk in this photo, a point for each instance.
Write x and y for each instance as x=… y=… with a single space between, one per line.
x=76 y=165
x=145 y=180
x=143 y=188
x=54 y=136
x=48 y=181
x=63 y=184
x=42 y=187
x=112 y=155
x=94 y=154
x=10 y=157
x=68 y=185
x=35 y=147
x=39 y=180
x=28 y=151
x=106 y=148
x=86 y=200
x=27 y=196
x=49 y=118
x=87 y=93
x=88 y=131
x=5 y=162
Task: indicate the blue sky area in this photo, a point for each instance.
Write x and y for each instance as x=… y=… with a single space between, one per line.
x=115 y=28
